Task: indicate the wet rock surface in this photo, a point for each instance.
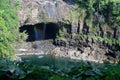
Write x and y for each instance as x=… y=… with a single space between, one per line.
x=36 y=48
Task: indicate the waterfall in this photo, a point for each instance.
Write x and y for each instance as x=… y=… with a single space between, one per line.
x=38 y=35
x=49 y=7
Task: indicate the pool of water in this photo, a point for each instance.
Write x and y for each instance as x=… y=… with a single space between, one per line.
x=48 y=61
x=52 y=63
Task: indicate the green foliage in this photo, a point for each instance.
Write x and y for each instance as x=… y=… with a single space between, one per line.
x=62 y=33
x=11 y=70
x=88 y=71
x=107 y=40
x=8 y=28
x=55 y=77
x=77 y=14
x=95 y=13
x=61 y=38
x=89 y=21
x=5 y=46
x=17 y=4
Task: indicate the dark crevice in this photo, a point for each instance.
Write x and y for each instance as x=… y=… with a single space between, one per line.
x=51 y=30
x=29 y=29
x=44 y=31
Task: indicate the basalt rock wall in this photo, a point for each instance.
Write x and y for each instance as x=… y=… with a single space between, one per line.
x=76 y=39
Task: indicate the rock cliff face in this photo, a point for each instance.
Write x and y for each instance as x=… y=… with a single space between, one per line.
x=75 y=38
x=36 y=11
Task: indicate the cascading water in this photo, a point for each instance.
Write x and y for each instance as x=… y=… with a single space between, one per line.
x=48 y=7
x=38 y=34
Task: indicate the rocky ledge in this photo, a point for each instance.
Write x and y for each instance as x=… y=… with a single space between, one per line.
x=91 y=53
x=86 y=55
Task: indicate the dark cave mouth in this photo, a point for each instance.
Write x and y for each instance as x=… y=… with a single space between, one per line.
x=40 y=31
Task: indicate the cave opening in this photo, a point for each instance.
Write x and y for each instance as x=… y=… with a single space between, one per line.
x=40 y=31
x=29 y=30
x=51 y=30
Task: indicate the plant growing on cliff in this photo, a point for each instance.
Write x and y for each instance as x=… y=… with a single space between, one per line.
x=93 y=14
x=62 y=32
x=107 y=40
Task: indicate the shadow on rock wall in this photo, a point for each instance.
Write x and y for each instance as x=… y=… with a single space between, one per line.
x=40 y=31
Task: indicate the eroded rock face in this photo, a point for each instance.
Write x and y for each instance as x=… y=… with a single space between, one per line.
x=35 y=11
x=74 y=45
x=87 y=54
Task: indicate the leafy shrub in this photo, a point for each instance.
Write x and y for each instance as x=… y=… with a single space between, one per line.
x=11 y=70
x=9 y=33
x=87 y=71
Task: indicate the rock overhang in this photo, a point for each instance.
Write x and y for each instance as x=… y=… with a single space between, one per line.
x=36 y=11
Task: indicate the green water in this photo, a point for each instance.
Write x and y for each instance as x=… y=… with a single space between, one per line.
x=50 y=61
x=54 y=63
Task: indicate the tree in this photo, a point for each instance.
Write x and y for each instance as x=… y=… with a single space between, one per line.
x=9 y=33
